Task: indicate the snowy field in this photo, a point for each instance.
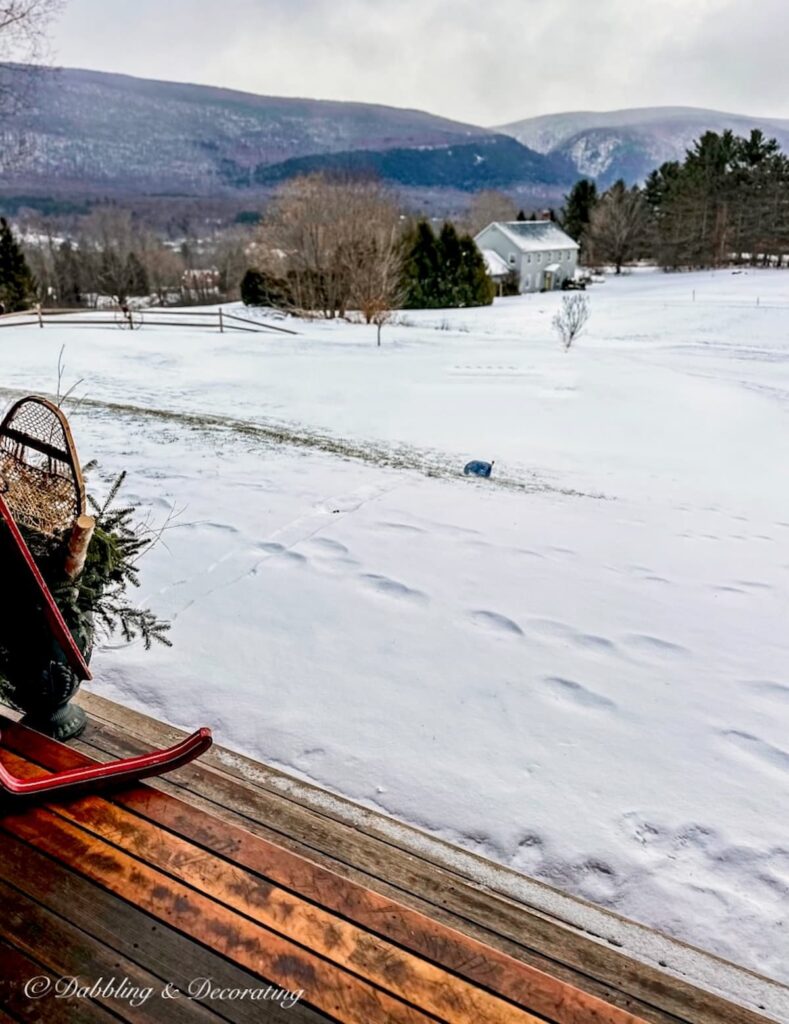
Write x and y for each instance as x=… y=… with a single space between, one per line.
x=579 y=669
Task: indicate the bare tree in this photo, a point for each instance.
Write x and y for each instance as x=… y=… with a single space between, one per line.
x=618 y=225
x=334 y=242
x=487 y=207
x=377 y=278
x=23 y=42
x=572 y=318
x=165 y=269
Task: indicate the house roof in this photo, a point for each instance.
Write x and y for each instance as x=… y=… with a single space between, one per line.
x=497 y=267
x=533 y=235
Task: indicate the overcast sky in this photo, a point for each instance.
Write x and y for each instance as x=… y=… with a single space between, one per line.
x=482 y=61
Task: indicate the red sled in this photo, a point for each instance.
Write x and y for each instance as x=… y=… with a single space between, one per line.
x=128 y=770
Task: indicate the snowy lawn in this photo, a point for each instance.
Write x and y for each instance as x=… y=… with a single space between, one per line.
x=579 y=668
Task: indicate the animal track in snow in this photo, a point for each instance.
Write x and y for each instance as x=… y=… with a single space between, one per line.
x=529 y=854
x=402 y=527
x=655 y=645
x=493 y=620
x=770 y=690
x=561 y=631
x=773 y=757
x=574 y=693
x=393 y=588
x=328 y=546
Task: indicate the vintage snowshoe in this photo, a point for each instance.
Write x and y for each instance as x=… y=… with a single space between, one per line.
x=41 y=487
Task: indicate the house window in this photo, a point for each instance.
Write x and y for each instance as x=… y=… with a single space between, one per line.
x=548 y=257
x=528 y=258
x=539 y=257
x=513 y=259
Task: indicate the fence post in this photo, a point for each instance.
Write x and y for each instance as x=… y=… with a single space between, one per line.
x=40 y=316
x=221 y=322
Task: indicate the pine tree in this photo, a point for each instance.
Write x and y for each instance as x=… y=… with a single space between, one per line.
x=68 y=276
x=452 y=288
x=727 y=201
x=577 y=209
x=17 y=284
x=479 y=287
x=421 y=268
x=444 y=272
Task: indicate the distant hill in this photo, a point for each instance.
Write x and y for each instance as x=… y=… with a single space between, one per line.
x=88 y=133
x=91 y=131
x=629 y=144
x=496 y=161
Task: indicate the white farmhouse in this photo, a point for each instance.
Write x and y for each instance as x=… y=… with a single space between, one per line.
x=538 y=251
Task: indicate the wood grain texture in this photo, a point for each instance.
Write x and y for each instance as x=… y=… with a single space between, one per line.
x=545 y=942
x=385 y=965
x=244 y=941
x=296 y=869
x=17 y=970
x=112 y=922
x=472 y=960
x=67 y=952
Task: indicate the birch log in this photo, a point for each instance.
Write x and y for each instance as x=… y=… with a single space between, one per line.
x=79 y=541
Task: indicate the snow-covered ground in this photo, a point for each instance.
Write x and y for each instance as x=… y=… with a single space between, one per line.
x=579 y=668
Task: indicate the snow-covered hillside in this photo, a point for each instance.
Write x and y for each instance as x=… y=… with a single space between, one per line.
x=577 y=668
x=630 y=143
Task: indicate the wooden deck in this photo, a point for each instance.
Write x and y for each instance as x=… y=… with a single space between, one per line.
x=231 y=871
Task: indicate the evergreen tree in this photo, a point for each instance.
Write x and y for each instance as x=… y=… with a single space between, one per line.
x=421 y=267
x=577 y=209
x=727 y=201
x=68 y=276
x=445 y=271
x=451 y=288
x=521 y=215
x=17 y=285
x=479 y=289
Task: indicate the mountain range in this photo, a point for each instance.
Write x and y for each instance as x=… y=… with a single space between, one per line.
x=606 y=145
x=93 y=133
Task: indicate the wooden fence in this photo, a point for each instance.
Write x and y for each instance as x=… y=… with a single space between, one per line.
x=128 y=319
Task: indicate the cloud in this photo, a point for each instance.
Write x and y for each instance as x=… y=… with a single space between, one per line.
x=486 y=63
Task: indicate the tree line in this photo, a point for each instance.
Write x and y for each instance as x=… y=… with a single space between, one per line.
x=329 y=246
x=726 y=202
x=112 y=256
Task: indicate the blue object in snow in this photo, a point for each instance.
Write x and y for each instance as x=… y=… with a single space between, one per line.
x=477 y=468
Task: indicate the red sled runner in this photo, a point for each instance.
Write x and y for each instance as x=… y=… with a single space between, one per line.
x=27 y=597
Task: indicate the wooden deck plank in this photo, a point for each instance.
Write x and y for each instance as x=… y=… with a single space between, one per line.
x=66 y=952
x=392 y=969
x=545 y=942
x=17 y=970
x=465 y=956
x=231 y=854
x=393 y=873
x=325 y=985
x=135 y=935
x=538 y=940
